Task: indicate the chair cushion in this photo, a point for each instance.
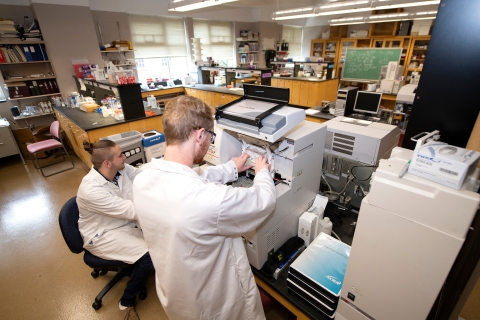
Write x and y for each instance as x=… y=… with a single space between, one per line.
x=43 y=145
x=96 y=262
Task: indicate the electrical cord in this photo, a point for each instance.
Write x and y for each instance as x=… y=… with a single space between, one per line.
x=351 y=171
x=336 y=235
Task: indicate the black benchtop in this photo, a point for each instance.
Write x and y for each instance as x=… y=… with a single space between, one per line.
x=93 y=120
x=344 y=229
x=212 y=88
x=310 y=79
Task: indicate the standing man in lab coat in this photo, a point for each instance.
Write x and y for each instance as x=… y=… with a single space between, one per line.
x=107 y=218
x=193 y=222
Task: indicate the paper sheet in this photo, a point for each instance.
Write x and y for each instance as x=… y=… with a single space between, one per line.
x=82 y=85
x=311 y=111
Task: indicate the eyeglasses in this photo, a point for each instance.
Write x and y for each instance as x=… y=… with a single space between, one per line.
x=212 y=139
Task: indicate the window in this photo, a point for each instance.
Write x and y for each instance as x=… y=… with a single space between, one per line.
x=160 y=47
x=217 y=40
x=293 y=35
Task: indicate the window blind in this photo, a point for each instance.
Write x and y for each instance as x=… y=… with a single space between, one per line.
x=157 y=37
x=293 y=35
x=216 y=38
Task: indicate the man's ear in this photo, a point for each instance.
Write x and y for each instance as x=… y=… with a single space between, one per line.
x=199 y=135
x=107 y=164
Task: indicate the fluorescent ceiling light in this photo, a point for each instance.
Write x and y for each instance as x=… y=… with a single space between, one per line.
x=187 y=5
x=293 y=14
x=362 y=6
x=401 y=16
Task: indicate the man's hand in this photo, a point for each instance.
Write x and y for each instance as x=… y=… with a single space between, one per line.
x=240 y=162
x=261 y=163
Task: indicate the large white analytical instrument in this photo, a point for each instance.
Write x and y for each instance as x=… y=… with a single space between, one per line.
x=259 y=124
x=408 y=235
x=353 y=149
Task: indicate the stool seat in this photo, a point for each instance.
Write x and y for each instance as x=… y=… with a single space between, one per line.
x=43 y=145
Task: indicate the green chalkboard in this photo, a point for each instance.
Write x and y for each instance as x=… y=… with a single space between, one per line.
x=366 y=64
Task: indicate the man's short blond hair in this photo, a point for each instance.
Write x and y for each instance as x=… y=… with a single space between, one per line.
x=182 y=116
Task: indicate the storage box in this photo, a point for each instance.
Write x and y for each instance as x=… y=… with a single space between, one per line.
x=154 y=145
x=442 y=163
x=24 y=136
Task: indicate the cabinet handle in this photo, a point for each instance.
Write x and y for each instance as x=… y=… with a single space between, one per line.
x=1 y=143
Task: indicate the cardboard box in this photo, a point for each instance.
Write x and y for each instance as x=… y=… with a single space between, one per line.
x=443 y=164
x=25 y=136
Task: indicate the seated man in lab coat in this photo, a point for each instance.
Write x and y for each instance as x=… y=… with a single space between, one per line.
x=192 y=221
x=107 y=219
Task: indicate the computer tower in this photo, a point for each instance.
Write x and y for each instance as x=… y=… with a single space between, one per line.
x=345 y=101
x=329 y=71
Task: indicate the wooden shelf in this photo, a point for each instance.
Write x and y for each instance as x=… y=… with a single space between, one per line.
x=248 y=52
x=21 y=42
x=414 y=69
x=5 y=63
x=28 y=79
x=246 y=40
x=107 y=51
x=33 y=97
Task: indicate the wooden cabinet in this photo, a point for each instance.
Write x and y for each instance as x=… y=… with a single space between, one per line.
x=212 y=98
x=326 y=49
x=308 y=93
x=416 y=55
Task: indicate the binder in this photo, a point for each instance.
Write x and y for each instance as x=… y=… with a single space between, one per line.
x=3 y=49
x=33 y=52
x=31 y=88
x=51 y=87
x=38 y=52
x=41 y=86
x=27 y=53
x=20 y=54
x=2 y=58
x=36 y=88
x=55 y=85
x=46 y=86
x=44 y=51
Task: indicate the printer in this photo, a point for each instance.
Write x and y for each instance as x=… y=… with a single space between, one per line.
x=260 y=123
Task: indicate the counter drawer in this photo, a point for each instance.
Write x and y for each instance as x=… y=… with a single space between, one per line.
x=5 y=132
x=7 y=147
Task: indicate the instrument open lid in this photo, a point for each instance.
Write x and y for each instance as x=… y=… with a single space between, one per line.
x=260 y=113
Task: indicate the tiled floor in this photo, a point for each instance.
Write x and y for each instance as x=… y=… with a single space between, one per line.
x=39 y=277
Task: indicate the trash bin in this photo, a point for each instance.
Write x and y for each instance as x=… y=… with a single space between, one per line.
x=131 y=144
x=154 y=145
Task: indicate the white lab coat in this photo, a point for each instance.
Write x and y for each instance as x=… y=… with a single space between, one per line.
x=192 y=224
x=107 y=219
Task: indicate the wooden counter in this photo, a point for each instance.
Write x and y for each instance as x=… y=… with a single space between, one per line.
x=79 y=126
x=308 y=93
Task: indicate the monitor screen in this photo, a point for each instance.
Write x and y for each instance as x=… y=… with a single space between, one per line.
x=368 y=102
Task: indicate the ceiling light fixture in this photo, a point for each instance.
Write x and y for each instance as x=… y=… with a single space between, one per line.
x=187 y=5
x=294 y=14
x=349 y=7
x=384 y=18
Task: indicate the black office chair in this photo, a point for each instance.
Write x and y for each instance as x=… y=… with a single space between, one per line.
x=68 y=220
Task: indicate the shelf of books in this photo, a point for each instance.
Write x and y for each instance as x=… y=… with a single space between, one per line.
x=26 y=70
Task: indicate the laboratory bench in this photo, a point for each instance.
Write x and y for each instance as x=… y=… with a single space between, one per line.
x=344 y=226
x=91 y=126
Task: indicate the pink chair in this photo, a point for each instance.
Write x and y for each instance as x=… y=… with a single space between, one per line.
x=49 y=144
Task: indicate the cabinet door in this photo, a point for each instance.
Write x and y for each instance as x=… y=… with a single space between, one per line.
x=188 y=91
x=317 y=48
x=304 y=93
x=274 y=82
x=295 y=92
x=315 y=94
x=344 y=45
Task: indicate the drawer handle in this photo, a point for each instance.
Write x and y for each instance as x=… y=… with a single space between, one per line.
x=1 y=143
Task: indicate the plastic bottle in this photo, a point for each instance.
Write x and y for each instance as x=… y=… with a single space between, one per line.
x=325 y=226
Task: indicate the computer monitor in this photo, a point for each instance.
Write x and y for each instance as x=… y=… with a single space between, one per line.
x=367 y=102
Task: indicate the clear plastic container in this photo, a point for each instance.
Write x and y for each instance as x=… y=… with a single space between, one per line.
x=125 y=77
